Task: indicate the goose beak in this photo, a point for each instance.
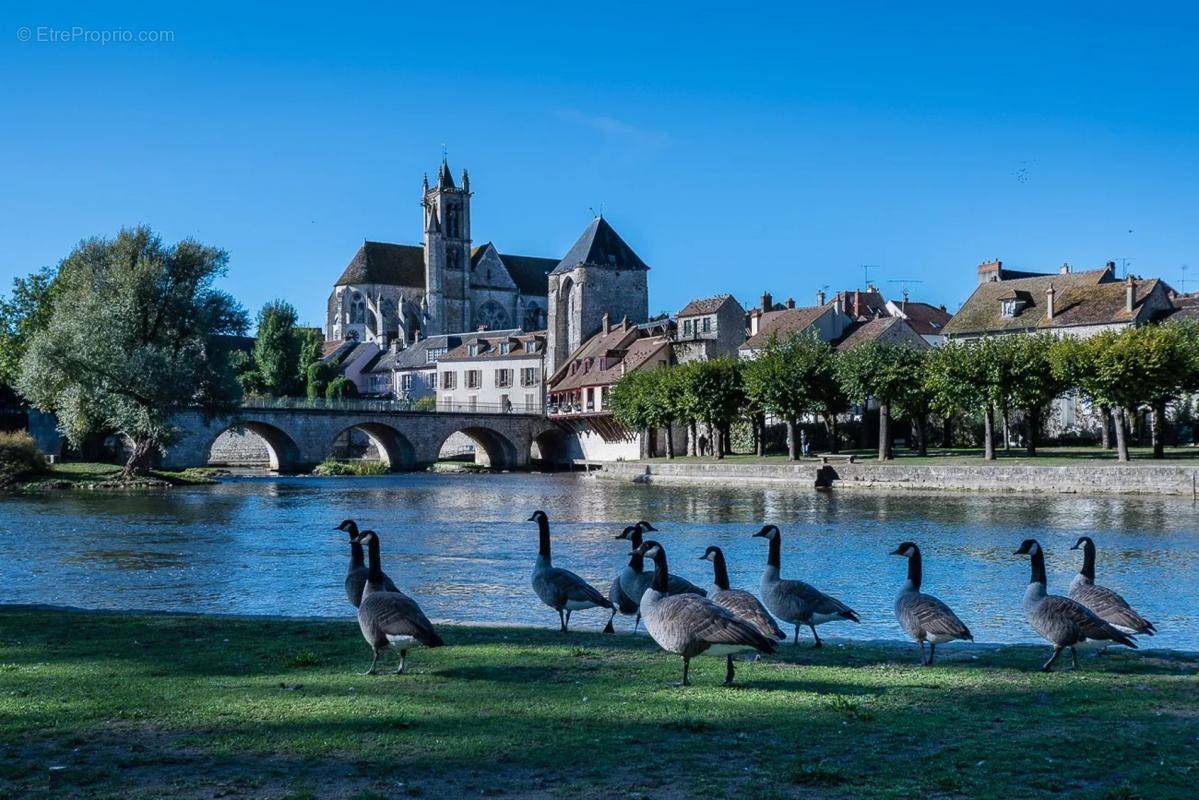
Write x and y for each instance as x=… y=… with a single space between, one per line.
x=896 y=552
x=645 y=526
x=1076 y=545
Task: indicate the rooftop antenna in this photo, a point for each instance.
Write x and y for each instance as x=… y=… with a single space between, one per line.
x=866 y=272
x=1124 y=262
x=904 y=283
x=594 y=214
x=1182 y=285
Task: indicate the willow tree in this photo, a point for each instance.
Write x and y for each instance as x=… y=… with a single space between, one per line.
x=130 y=341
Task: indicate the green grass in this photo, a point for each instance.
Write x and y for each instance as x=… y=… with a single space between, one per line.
x=1046 y=456
x=95 y=475
x=133 y=706
x=336 y=468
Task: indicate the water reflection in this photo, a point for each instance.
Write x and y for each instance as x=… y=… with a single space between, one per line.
x=461 y=545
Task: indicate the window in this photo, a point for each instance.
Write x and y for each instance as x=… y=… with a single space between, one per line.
x=528 y=376
x=686 y=327
x=530 y=402
x=406 y=381
x=449 y=380
x=505 y=347
x=475 y=348
x=505 y=403
x=472 y=402
x=1012 y=308
x=503 y=378
x=707 y=324
x=434 y=353
x=474 y=377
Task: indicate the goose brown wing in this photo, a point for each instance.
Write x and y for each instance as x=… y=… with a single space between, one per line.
x=1111 y=608
x=937 y=618
x=677 y=585
x=397 y=614
x=747 y=607
x=708 y=622
x=1081 y=619
x=618 y=598
x=575 y=588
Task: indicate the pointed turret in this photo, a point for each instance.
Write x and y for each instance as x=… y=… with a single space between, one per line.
x=444 y=179
x=465 y=181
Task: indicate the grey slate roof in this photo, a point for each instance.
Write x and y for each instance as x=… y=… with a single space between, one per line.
x=601 y=246
x=388 y=264
x=707 y=305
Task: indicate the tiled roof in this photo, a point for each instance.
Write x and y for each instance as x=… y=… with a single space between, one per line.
x=1186 y=306
x=601 y=246
x=1092 y=297
x=388 y=264
x=529 y=273
x=415 y=355
x=607 y=368
x=896 y=328
x=925 y=319
x=864 y=305
x=707 y=305
x=782 y=323
x=523 y=344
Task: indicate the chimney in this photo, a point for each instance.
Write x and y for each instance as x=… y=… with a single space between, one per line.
x=903 y=306
x=767 y=302
x=1130 y=294
x=755 y=317
x=990 y=271
x=790 y=302
x=1064 y=269
x=607 y=323
x=839 y=302
x=1111 y=267
x=820 y=297
x=857 y=303
x=1049 y=293
x=382 y=341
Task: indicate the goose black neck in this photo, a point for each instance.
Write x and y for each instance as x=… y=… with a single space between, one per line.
x=915 y=571
x=1088 y=560
x=774 y=557
x=356 y=559
x=720 y=573
x=543 y=537
x=376 y=569
x=1038 y=568
x=636 y=561
x=661 y=572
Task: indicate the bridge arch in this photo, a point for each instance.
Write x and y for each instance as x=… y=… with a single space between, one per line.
x=549 y=448
x=492 y=448
x=393 y=447
x=282 y=452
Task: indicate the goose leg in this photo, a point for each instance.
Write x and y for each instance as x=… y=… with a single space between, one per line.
x=923 y=657
x=636 y=622
x=686 y=669
x=1074 y=657
x=729 y=671
x=817 y=635
x=608 y=628
x=403 y=658
x=567 y=625
x=932 y=648
x=561 y=621
x=1057 y=651
x=374 y=661
x=796 y=635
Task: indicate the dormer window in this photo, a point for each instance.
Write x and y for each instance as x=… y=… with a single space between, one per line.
x=474 y=348
x=505 y=347
x=1011 y=304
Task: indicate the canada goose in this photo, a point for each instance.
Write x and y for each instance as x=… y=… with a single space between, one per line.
x=620 y=601
x=924 y=617
x=560 y=589
x=634 y=580
x=795 y=601
x=1060 y=620
x=1105 y=603
x=691 y=625
x=357 y=572
x=740 y=602
x=390 y=618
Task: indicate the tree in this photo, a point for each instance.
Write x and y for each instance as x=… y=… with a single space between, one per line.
x=633 y=399
x=785 y=379
x=1073 y=363
x=912 y=399
x=310 y=344
x=881 y=371
x=1029 y=361
x=320 y=374
x=22 y=314
x=277 y=349
x=719 y=396
x=129 y=340
x=341 y=388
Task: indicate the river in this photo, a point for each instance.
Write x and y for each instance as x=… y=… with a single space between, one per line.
x=461 y=546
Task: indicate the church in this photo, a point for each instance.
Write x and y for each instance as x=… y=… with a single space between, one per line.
x=399 y=292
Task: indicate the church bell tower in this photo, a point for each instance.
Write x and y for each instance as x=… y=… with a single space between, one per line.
x=447 y=253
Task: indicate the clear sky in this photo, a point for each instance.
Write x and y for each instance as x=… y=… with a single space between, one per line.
x=737 y=148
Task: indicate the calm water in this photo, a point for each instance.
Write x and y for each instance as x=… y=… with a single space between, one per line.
x=460 y=545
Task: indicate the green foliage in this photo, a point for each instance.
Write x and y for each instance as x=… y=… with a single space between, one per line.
x=22 y=314
x=19 y=457
x=318 y=377
x=341 y=388
x=718 y=390
x=791 y=377
x=333 y=467
x=310 y=343
x=956 y=378
x=633 y=398
x=277 y=349
x=129 y=340
x=883 y=371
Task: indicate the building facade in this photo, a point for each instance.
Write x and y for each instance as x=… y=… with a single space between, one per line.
x=501 y=372
x=708 y=328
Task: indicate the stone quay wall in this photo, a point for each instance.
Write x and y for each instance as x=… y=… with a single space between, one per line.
x=1091 y=478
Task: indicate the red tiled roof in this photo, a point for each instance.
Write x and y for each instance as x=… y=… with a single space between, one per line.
x=787 y=321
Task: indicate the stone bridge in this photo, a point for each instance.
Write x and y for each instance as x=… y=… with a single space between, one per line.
x=298 y=438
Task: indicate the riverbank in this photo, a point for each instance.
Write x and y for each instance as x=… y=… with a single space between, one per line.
x=133 y=705
x=1179 y=478
x=107 y=477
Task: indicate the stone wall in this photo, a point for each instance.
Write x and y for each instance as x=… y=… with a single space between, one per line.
x=239 y=449
x=1073 y=479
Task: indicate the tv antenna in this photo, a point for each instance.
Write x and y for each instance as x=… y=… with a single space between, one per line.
x=593 y=212
x=1182 y=285
x=904 y=283
x=866 y=272
x=1124 y=262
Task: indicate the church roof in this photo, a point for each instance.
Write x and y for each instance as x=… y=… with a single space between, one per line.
x=529 y=273
x=444 y=179
x=601 y=246
x=388 y=264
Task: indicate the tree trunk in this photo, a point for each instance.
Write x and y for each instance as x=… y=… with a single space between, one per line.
x=651 y=435
x=947 y=431
x=884 y=432
x=1007 y=431
x=715 y=439
x=692 y=439
x=670 y=440
x=726 y=439
x=1032 y=424
x=140 y=457
x=830 y=429
x=863 y=431
x=760 y=434
x=989 y=434
x=792 y=441
x=1105 y=421
x=1159 y=429
x=920 y=423
x=1121 y=435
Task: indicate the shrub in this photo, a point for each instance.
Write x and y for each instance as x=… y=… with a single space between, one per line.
x=19 y=457
x=333 y=468
x=341 y=388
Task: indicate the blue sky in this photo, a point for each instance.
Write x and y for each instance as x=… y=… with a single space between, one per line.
x=739 y=149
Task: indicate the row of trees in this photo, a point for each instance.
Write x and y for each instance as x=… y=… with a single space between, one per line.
x=126 y=330
x=801 y=377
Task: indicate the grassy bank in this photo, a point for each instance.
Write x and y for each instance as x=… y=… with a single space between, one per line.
x=129 y=706
x=91 y=475
x=964 y=456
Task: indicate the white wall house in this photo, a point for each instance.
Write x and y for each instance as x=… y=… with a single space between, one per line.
x=494 y=372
